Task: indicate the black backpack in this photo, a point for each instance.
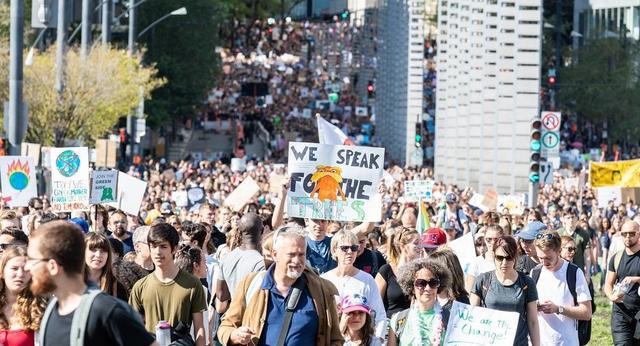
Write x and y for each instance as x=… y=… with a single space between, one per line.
x=584 y=327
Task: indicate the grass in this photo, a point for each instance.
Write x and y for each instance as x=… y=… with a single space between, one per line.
x=601 y=321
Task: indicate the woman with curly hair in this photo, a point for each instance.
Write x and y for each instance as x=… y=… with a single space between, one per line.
x=21 y=311
x=98 y=265
x=423 y=323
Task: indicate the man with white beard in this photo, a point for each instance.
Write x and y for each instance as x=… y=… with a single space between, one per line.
x=265 y=308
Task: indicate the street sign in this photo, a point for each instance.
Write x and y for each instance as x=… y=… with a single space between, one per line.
x=550 y=138
x=546 y=173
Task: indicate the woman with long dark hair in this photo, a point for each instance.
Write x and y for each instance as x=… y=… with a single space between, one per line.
x=98 y=265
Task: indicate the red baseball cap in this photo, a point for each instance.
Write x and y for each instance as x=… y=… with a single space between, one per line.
x=433 y=238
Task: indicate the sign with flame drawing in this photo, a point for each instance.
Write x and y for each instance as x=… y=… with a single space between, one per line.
x=18 y=180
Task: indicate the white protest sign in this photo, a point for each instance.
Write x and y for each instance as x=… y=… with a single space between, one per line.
x=18 y=180
x=334 y=182
x=238 y=165
x=69 y=179
x=130 y=193
x=571 y=183
x=476 y=201
x=416 y=189
x=474 y=325
x=104 y=186
x=242 y=194
x=465 y=250
x=195 y=195
x=514 y=203
x=609 y=193
x=181 y=198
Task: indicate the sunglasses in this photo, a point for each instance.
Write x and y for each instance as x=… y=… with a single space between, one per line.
x=502 y=258
x=547 y=236
x=422 y=283
x=570 y=248
x=346 y=248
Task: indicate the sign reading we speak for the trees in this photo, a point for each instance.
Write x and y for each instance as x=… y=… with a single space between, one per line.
x=334 y=182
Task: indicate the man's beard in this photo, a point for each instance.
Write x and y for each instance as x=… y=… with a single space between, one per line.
x=294 y=275
x=42 y=286
x=119 y=231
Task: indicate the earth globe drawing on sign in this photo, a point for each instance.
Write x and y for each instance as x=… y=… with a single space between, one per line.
x=68 y=163
x=18 y=173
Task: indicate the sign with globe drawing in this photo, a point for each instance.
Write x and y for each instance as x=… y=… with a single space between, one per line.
x=18 y=179
x=69 y=179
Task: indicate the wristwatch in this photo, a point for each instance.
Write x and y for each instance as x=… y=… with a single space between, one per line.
x=560 y=310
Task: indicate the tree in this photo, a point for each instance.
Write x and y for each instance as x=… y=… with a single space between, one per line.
x=603 y=86
x=98 y=90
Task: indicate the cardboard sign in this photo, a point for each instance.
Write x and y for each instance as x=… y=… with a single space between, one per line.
x=334 y=182
x=416 y=189
x=238 y=165
x=130 y=194
x=31 y=150
x=106 y=153
x=465 y=250
x=242 y=194
x=515 y=204
x=474 y=325
x=104 y=186
x=18 y=180
x=69 y=179
x=275 y=183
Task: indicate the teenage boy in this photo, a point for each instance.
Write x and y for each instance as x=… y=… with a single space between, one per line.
x=169 y=294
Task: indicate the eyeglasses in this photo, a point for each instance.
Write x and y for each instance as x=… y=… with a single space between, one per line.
x=44 y=259
x=346 y=248
x=570 y=248
x=628 y=234
x=547 y=236
x=422 y=283
x=502 y=258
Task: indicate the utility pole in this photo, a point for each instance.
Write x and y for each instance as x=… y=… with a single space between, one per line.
x=85 y=39
x=61 y=38
x=16 y=121
x=558 y=32
x=106 y=22
x=132 y=27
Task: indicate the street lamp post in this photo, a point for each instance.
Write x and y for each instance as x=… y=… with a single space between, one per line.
x=106 y=22
x=182 y=11
x=85 y=38
x=16 y=117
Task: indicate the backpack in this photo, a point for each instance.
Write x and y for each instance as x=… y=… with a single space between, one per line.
x=584 y=327
x=485 y=288
x=80 y=317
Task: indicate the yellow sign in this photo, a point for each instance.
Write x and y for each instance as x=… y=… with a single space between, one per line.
x=616 y=173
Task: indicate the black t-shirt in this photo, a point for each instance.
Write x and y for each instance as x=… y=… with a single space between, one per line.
x=629 y=266
x=370 y=262
x=109 y=323
x=525 y=264
x=394 y=299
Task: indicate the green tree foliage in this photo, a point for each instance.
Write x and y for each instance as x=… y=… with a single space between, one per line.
x=603 y=85
x=97 y=92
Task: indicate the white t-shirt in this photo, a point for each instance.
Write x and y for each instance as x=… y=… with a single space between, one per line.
x=363 y=284
x=481 y=265
x=556 y=329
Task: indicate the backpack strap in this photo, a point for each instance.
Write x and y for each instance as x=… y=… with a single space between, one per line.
x=535 y=273
x=572 y=271
x=485 y=284
x=81 y=316
x=254 y=286
x=458 y=219
x=53 y=303
x=617 y=258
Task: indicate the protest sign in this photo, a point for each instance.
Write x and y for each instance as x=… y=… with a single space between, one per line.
x=106 y=151
x=465 y=250
x=610 y=193
x=69 y=179
x=242 y=194
x=275 y=183
x=571 y=183
x=416 y=189
x=474 y=325
x=361 y=111
x=195 y=196
x=18 y=180
x=31 y=150
x=130 y=193
x=334 y=182
x=181 y=198
x=515 y=204
x=476 y=201
x=490 y=199
x=617 y=173
x=238 y=165
x=104 y=186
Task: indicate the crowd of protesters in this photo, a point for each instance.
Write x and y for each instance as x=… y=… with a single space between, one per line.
x=218 y=275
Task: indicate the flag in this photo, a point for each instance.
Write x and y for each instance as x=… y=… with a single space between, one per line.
x=423 y=223
x=331 y=134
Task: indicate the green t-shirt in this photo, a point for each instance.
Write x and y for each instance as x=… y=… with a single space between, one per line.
x=173 y=301
x=426 y=327
x=583 y=242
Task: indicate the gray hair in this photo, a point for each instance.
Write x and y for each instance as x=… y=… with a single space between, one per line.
x=288 y=232
x=140 y=234
x=407 y=274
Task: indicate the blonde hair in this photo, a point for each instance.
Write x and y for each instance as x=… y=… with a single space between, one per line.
x=401 y=237
x=342 y=236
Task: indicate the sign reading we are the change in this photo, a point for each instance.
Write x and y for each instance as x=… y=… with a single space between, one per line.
x=334 y=182
x=474 y=325
x=69 y=179
x=18 y=180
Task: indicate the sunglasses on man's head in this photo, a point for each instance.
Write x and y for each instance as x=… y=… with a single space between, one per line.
x=422 y=283
x=547 y=236
x=345 y=248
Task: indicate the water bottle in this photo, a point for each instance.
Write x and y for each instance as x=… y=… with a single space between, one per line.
x=163 y=333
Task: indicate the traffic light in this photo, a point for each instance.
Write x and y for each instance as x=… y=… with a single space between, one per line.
x=418 y=142
x=551 y=80
x=551 y=77
x=371 y=90
x=534 y=146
